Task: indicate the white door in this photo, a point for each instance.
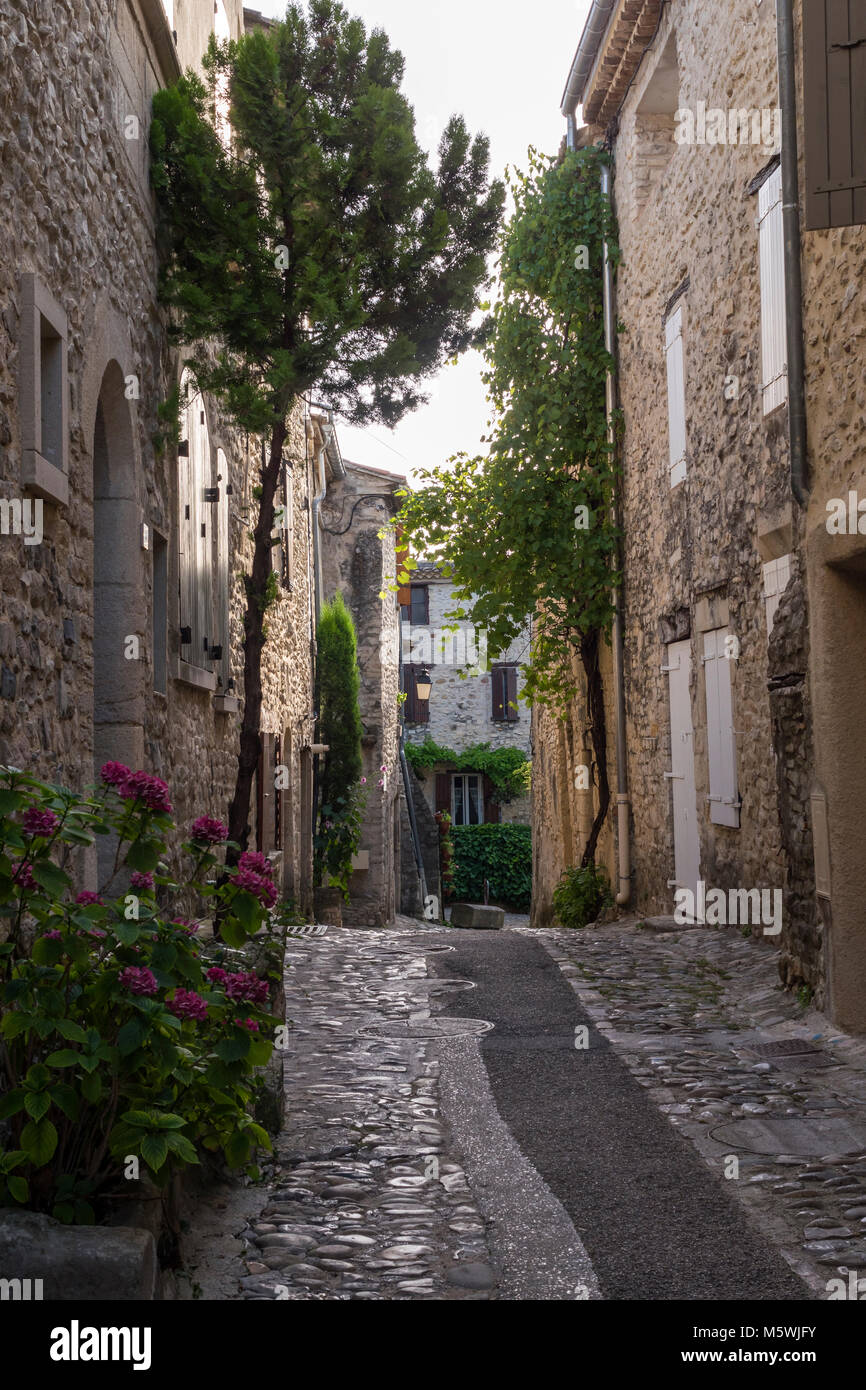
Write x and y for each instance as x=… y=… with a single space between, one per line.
x=687 y=847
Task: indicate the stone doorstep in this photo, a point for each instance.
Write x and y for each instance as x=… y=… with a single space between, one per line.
x=78 y=1263
x=477 y=916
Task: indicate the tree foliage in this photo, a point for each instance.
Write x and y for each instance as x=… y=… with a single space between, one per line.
x=526 y=529
x=509 y=769
x=317 y=247
x=341 y=796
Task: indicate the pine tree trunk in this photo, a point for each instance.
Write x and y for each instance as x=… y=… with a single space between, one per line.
x=254 y=618
x=589 y=655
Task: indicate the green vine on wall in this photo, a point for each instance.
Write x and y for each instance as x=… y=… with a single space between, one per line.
x=509 y=769
x=527 y=528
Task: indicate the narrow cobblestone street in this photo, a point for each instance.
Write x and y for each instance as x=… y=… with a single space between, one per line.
x=708 y=1141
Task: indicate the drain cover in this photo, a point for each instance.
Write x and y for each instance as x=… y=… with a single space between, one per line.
x=419 y=950
x=428 y=1028
x=792 y=1054
x=801 y=1135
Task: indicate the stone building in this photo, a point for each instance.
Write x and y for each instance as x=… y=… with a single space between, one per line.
x=744 y=761
x=359 y=561
x=474 y=699
x=121 y=608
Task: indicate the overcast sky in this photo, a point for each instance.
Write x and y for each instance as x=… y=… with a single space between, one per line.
x=503 y=65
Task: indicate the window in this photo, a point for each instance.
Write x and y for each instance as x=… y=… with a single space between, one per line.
x=44 y=393
x=774 y=347
x=195 y=494
x=676 y=396
x=416 y=711
x=503 y=681
x=721 y=748
x=833 y=54
x=222 y=32
x=419 y=604
x=467 y=801
x=776 y=576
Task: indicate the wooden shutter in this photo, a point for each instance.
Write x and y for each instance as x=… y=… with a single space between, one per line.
x=443 y=792
x=834 y=100
x=771 y=256
x=492 y=810
x=511 y=711
x=222 y=617
x=676 y=396
x=497 y=685
x=721 y=747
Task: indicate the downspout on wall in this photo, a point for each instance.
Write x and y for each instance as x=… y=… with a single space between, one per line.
x=791 y=235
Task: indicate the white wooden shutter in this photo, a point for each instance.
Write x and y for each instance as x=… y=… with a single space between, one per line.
x=776 y=575
x=222 y=618
x=721 y=747
x=774 y=348
x=186 y=545
x=676 y=396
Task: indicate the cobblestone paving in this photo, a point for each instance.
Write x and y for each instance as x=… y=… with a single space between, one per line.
x=683 y=1009
x=368 y=1201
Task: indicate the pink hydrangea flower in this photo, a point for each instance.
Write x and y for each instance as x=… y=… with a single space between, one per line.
x=189 y=927
x=23 y=876
x=141 y=880
x=52 y=936
x=152 y=792
x=249 y=1023
x=138 y=980
x=217 y=975
x=88 y=899
x=38 y=822
x=114 y=774
x=251 y=859
x=383 y=768
x=206 y=830
x=363 y=781
x=257 y=884
x=187 y=1004
x=247 y=985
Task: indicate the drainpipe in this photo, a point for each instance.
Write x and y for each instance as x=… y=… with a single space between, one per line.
x=791 y=234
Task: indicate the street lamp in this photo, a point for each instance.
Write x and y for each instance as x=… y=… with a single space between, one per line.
x=423 y=684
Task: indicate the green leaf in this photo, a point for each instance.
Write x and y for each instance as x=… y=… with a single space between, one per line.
x=11 y=1103
x=154 y=1151
x=126 y=932
x=91 y=1088
x=71 y=1031
x=39 y=1140
x=232 y=933
x=247 y=909
x=10 y=802
x=131 y=1036
x=51 y=878
x=144 y=855
x=18 y=1188
x=64 y=1057
x=232 y=1049
x=237 y=1149
x=180 y=1145
x=37 y=1104
x=66 y=1099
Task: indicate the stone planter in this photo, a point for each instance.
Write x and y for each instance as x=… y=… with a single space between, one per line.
x=329 y=906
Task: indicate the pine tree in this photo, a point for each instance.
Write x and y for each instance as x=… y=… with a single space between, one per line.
x=321 y=250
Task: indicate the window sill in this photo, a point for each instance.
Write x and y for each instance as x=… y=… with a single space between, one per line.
x=226 y=704
x=44 y=478
x=195 y=676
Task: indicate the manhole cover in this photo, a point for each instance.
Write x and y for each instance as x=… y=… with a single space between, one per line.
x=427 y=1028
x=785 y=1047
x=801 y=1135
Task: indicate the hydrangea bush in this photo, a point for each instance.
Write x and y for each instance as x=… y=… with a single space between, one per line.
x=116 y=1039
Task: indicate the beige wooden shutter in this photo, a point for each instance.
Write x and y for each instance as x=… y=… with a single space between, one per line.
x=721 y=747
x=676 y=396
x=771 y=256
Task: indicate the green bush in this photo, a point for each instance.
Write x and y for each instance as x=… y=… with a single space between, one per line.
x=342 y=789
x=500 y=853
x=581 y=895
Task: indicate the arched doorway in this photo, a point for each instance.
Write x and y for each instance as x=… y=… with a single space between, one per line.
x=119 y=605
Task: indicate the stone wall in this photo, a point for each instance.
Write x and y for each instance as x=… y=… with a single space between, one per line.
x=78 y=213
